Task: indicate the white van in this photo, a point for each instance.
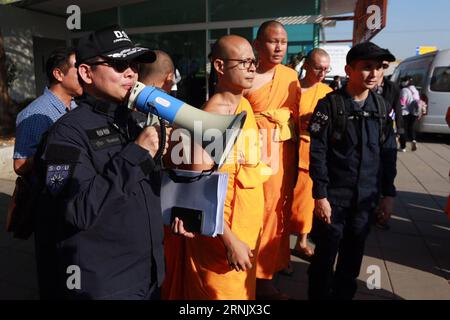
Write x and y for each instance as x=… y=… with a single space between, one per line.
x=431 y=76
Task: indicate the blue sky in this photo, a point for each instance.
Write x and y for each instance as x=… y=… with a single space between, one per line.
x=410 y=23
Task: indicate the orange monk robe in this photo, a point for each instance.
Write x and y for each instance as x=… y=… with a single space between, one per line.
x=276 y=107
x=303 y=202
x=206 y=274
x=175 y=256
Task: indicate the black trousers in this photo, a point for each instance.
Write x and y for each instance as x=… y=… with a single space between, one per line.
x=409 y=122
x=345 y=235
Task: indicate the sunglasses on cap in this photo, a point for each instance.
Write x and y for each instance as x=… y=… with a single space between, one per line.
x=118 y=65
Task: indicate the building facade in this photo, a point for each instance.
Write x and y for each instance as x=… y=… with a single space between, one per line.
x=184 y=29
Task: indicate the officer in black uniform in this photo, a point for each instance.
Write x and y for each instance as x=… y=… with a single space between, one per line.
x=99 y=230
x=353 y=156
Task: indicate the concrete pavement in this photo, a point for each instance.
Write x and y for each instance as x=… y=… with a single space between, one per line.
x=413 y=256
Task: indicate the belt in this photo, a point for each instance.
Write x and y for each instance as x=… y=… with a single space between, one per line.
x=283 y=120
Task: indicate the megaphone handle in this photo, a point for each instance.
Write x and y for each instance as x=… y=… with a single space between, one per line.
x=162 y=142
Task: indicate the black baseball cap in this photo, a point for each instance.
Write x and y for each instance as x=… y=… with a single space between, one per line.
x=112 y=43
x=369 y=51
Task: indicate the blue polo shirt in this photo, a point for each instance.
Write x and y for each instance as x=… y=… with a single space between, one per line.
x=34 y=120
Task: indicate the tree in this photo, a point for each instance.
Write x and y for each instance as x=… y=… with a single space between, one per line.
x=6 y=121
x=6 y=104
x=5 y=100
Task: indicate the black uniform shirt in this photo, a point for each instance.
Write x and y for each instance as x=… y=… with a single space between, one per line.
x=102 y=206
x=354 y=169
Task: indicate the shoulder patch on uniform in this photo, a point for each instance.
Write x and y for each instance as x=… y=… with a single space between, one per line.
x=318 y=122
x=57 y=176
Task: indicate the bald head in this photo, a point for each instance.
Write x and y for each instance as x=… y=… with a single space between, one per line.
x=227 y=46
x=316 y=53
x=159 y=73
x=266 y=25
x=317 y=65
x=271 y=44
x=234 y=63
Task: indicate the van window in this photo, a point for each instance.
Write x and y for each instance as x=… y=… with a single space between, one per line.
x=417 y=69
x=440 y=81
x=395 y=75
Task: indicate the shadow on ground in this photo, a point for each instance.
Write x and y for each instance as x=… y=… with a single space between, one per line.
x=419 y=236
x=433 y=138
x=4 y=201
x=418 y=239
x=296 y=286
x=17 y=262
x=414 y=252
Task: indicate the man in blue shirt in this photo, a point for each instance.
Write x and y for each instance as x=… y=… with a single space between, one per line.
x=39 y=115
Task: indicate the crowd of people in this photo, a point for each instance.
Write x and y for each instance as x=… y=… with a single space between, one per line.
x=324 y=170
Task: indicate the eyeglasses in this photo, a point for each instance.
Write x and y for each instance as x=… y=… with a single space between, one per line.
x=118 y=65
x=319 y=70
x=244 y=64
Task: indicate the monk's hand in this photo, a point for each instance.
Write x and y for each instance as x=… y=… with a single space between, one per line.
x=239 y=255
x=178 y=229
x=322 y=210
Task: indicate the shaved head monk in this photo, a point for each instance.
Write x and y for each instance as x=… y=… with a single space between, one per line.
x=224 y=267
x=274 y=98
x=316 y=65
x=159 y=73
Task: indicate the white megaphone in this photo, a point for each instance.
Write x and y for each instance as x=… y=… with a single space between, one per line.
x=153 y=100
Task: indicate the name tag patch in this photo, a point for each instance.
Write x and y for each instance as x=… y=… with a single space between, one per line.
x=104 y=137
x=103 y=132
x=105 y=142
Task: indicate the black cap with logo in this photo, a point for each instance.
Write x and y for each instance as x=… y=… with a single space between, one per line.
x=369 y=51
x=112 y=43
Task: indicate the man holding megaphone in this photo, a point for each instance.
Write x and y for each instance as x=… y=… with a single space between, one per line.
x=99 y=229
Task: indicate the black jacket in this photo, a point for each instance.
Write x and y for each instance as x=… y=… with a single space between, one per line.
x=391 y=92
x=101 y=209
x=355 y=169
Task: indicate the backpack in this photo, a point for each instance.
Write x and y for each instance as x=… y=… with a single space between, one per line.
x=340 y=116
x=21 y=214
x=19 y=218
x=417 y=107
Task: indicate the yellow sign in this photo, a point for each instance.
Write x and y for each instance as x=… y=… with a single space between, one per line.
x=423 y=50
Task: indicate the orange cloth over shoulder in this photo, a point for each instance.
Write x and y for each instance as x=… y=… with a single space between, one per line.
x=276 y=107
x=303 y=202
x=204 y=273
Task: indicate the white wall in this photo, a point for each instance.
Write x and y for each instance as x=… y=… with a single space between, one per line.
x=6 y=163
x=337 y=58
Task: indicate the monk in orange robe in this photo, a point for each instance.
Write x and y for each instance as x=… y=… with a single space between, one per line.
x=274 y=98
x=223 y=267
x=316 y=65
